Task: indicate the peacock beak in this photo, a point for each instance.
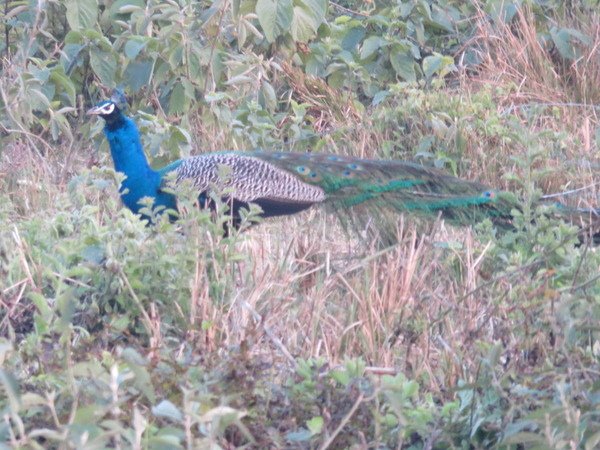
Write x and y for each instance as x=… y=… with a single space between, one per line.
x=95 y=111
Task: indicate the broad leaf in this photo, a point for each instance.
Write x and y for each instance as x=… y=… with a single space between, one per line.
x=370 y=46
x=275 y=17
x=64 y=83
x=121 y=7
x=104 y=65
x=139 y=73
x=564 y=38
x=133 y=47
x=167 y=410
x=308 y=16
x=178 y=101
x=81 y=14
x=352 y=38
x=437 y=65
x=404 y=65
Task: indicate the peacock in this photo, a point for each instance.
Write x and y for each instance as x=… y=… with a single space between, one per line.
x=282 y=183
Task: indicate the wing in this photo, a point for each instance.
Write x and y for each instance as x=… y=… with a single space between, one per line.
x=250 y=180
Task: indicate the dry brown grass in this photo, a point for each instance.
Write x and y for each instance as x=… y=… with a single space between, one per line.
x=315 y=292
x=329 y=109
x=534 y=84
x=514 y=54
x=30 y=180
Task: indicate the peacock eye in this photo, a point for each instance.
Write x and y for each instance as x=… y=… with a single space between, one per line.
x=108 y=108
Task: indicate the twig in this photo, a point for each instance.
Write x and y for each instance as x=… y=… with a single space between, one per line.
x=347 y=10
x=147 y=321
x=565 y=104
x=572 y=191
x=582 y=285
x=213 y=46
x=343 y=422
x=276 y=341
x=70 y=280
x=370 y=369
x=580 y=263
x=23 y=257
x=14 y=286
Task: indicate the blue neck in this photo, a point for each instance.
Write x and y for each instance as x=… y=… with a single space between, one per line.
x=129 y=158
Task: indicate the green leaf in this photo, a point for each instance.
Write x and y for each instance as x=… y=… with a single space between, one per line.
x=74 y=38
x=138 y=74
x=66 y=306
x=563 y=40
x=178 y=101
x=370 y=46
x=431 y=65
x=168 y=410
x=119 y=8
x=94 y=254
x=11 y=389
x=593 y=441
x=502 y=12
x=37 y=100
x=176 y=56
x=352 y=38
x=525 y=438
x=379 y=97
x=301 y=435
x=142 y=379
x=424 y=7
x=315 y=425
x=58 y=77
x=441 y=19
x=104 y=65
x=308 y=16
x=42 y=305
x=165 y=441
x=58 y=124
x=235 y=8
x=268 y=95
x=404 y=65
x=275 y=17
x=133 y=47
x=81 y=14
x=341 y=376
x=6 y=348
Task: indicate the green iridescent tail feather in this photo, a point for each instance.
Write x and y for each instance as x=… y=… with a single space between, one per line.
x=360 y=190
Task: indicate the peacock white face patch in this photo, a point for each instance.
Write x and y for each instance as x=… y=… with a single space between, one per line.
x=106 y=109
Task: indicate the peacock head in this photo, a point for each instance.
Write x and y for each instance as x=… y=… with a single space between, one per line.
x=106 y=109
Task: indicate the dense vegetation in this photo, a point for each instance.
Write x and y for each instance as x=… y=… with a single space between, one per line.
x=293 y=334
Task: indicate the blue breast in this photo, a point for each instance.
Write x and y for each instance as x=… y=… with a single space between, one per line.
x=129 y=158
